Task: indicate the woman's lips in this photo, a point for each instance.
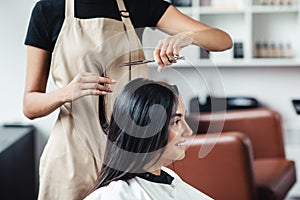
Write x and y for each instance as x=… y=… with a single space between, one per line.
x=182 y=143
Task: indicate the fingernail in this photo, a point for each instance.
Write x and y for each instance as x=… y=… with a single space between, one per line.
x=113 y=81
x=108 y=89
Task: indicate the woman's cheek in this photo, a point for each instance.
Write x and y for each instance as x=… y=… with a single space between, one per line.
x=172 y=135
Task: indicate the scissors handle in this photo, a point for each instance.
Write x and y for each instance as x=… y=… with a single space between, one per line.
x=176 y=58
x=172 y=59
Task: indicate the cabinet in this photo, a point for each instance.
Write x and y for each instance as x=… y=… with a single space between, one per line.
x=17 y=178
x=266 y=32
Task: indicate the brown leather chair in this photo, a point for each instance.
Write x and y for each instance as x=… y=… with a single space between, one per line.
x=261 y=154
x=220 y=165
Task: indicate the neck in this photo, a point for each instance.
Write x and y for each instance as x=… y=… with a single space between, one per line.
x=153 y=168
x=155 y=172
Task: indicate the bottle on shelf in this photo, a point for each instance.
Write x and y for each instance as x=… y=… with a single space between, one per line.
x=182 y=3
x=204 y=54
x=205 y=3
x=238 y=50
x=281 y=2
x=273 y=50
x=288 y=50
x=276 y=2
x=258 y=50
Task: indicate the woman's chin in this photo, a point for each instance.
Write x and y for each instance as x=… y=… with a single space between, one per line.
x=181 y=157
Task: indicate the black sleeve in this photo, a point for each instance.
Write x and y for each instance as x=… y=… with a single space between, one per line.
x=37 y=32
x=146 y=13
x=157 y=9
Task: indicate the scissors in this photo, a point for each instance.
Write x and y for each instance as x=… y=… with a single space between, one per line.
x=139 y=62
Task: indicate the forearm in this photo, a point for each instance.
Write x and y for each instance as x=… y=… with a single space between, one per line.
x=211 y=39
x=174 y=23
x=37 y=104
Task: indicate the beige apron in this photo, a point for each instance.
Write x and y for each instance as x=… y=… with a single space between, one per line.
x=72 y=157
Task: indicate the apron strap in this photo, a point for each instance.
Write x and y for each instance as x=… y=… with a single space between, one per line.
x=134 y=42
x=69 y=8
x=125 y=15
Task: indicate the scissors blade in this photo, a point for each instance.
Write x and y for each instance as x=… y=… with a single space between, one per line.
x=135 y=63
x=149 y=61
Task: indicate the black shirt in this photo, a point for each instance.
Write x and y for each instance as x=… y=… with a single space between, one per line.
x=164 y=177
x=48 y=15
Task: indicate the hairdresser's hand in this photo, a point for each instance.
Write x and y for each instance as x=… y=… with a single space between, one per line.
x=170 y=47
x=87 y=84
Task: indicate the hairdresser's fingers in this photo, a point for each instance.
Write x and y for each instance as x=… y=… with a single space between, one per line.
x=166 y=51
x=87 y=84
x=169 y=47
x=95 y=78
x=156 y=53
x=83 y=93
x=160 y=56
x=90 y=81
x=162 y=52
x=176 y=48
x=94 y=86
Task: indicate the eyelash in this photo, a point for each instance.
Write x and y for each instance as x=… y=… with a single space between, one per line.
x=176 y=122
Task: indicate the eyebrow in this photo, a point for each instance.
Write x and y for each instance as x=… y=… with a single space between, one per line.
x=177 y=115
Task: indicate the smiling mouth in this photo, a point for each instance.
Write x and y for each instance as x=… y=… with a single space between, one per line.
x=185 y=143
x=181 y=144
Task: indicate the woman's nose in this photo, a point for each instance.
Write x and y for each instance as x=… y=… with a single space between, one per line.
x=187 y=130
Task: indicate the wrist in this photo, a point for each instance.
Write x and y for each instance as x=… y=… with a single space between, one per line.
x=190 y=37
x=63 y=95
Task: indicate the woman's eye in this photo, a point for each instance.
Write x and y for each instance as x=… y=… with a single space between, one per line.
x=176 y=122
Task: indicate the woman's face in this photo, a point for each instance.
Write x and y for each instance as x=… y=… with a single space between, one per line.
x=179 y=133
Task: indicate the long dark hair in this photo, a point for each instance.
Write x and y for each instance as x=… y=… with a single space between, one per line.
x=138 y=130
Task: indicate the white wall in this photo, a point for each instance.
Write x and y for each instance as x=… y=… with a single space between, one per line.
x=14 y=19
x=12 y=57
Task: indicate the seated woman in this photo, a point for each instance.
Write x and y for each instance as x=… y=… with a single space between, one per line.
x=147 y=131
